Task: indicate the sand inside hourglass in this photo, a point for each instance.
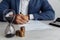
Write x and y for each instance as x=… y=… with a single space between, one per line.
x=9 y=17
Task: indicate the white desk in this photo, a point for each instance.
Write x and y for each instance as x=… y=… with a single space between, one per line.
x=47 y=34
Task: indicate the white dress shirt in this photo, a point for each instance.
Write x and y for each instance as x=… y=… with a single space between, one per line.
x=23 y=8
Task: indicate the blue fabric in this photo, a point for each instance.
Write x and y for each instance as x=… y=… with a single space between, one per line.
x=35 y=6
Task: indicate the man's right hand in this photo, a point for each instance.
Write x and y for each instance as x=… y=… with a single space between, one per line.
x=21 y=19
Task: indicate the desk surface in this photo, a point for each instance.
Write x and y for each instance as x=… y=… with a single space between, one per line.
x=47 y=34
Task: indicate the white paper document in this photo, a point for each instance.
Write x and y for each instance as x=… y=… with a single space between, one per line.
x=35 y=25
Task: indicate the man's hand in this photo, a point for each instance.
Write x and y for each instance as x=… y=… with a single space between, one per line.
x=21 y=19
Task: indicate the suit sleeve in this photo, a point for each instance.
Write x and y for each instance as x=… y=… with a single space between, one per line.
x=3 y=5
x=47 y=13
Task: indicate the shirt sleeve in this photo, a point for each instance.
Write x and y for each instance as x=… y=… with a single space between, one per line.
x=31 y=16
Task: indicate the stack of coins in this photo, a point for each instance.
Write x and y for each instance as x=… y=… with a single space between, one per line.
x=21 y=32
x=17 y=33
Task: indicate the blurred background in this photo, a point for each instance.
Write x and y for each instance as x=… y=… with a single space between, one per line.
x=56 y=6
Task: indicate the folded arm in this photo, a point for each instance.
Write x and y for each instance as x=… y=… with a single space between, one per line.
x=47 y=13
x=3 y=6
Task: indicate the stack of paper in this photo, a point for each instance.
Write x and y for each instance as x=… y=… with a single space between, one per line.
x=35 y=25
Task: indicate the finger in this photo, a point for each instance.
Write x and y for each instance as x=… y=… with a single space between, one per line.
x=19 y=18
x=24 y=17
x=19 y=22
x=22 y=20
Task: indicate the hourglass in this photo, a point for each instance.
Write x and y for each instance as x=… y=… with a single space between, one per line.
x=9 y=16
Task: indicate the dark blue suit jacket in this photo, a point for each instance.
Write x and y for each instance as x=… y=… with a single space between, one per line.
x=35 y=6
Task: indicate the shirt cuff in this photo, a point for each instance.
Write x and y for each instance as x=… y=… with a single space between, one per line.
x=31 y=16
